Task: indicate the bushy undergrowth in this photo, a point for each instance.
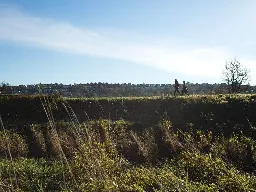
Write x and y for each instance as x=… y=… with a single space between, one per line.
x=120 y=155
x=13 y=143
x=113 y=156
x=31 y=175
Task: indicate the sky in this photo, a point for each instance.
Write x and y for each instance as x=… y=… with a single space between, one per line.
x=133 y=41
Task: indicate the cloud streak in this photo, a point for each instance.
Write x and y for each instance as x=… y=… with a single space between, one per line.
x=45 y=33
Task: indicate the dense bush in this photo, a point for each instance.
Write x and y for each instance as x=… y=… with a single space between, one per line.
x=218 y=113
x=12 y=145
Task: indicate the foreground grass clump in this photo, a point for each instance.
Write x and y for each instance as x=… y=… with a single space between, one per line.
x=31 y=175
x=206 y=169
x=12 y=143
x=125 y=156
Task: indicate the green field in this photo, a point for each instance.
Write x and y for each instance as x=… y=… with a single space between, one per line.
x=186 y=143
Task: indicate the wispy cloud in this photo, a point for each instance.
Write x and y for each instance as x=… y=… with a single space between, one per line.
x=61 y=36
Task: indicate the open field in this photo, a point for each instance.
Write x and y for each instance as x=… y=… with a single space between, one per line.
x=188 y=143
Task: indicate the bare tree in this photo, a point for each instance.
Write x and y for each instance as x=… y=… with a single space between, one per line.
x=235 y=75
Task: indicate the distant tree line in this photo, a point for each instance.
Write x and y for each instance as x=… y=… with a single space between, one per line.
x=119 y=90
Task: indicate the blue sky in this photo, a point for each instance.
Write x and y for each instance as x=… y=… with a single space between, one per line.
x=137 y=41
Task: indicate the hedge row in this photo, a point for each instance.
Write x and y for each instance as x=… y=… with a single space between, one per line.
x=225 y=113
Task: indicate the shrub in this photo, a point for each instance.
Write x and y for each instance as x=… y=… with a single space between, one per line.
x=32 y=175
x=13 y=141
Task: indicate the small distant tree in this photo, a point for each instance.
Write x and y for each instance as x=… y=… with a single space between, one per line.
x=4 y=87
x=235 y=75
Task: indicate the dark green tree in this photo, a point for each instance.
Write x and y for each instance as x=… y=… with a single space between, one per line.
x=4 y=88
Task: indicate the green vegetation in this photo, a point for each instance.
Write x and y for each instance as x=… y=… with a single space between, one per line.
x=190 y=143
